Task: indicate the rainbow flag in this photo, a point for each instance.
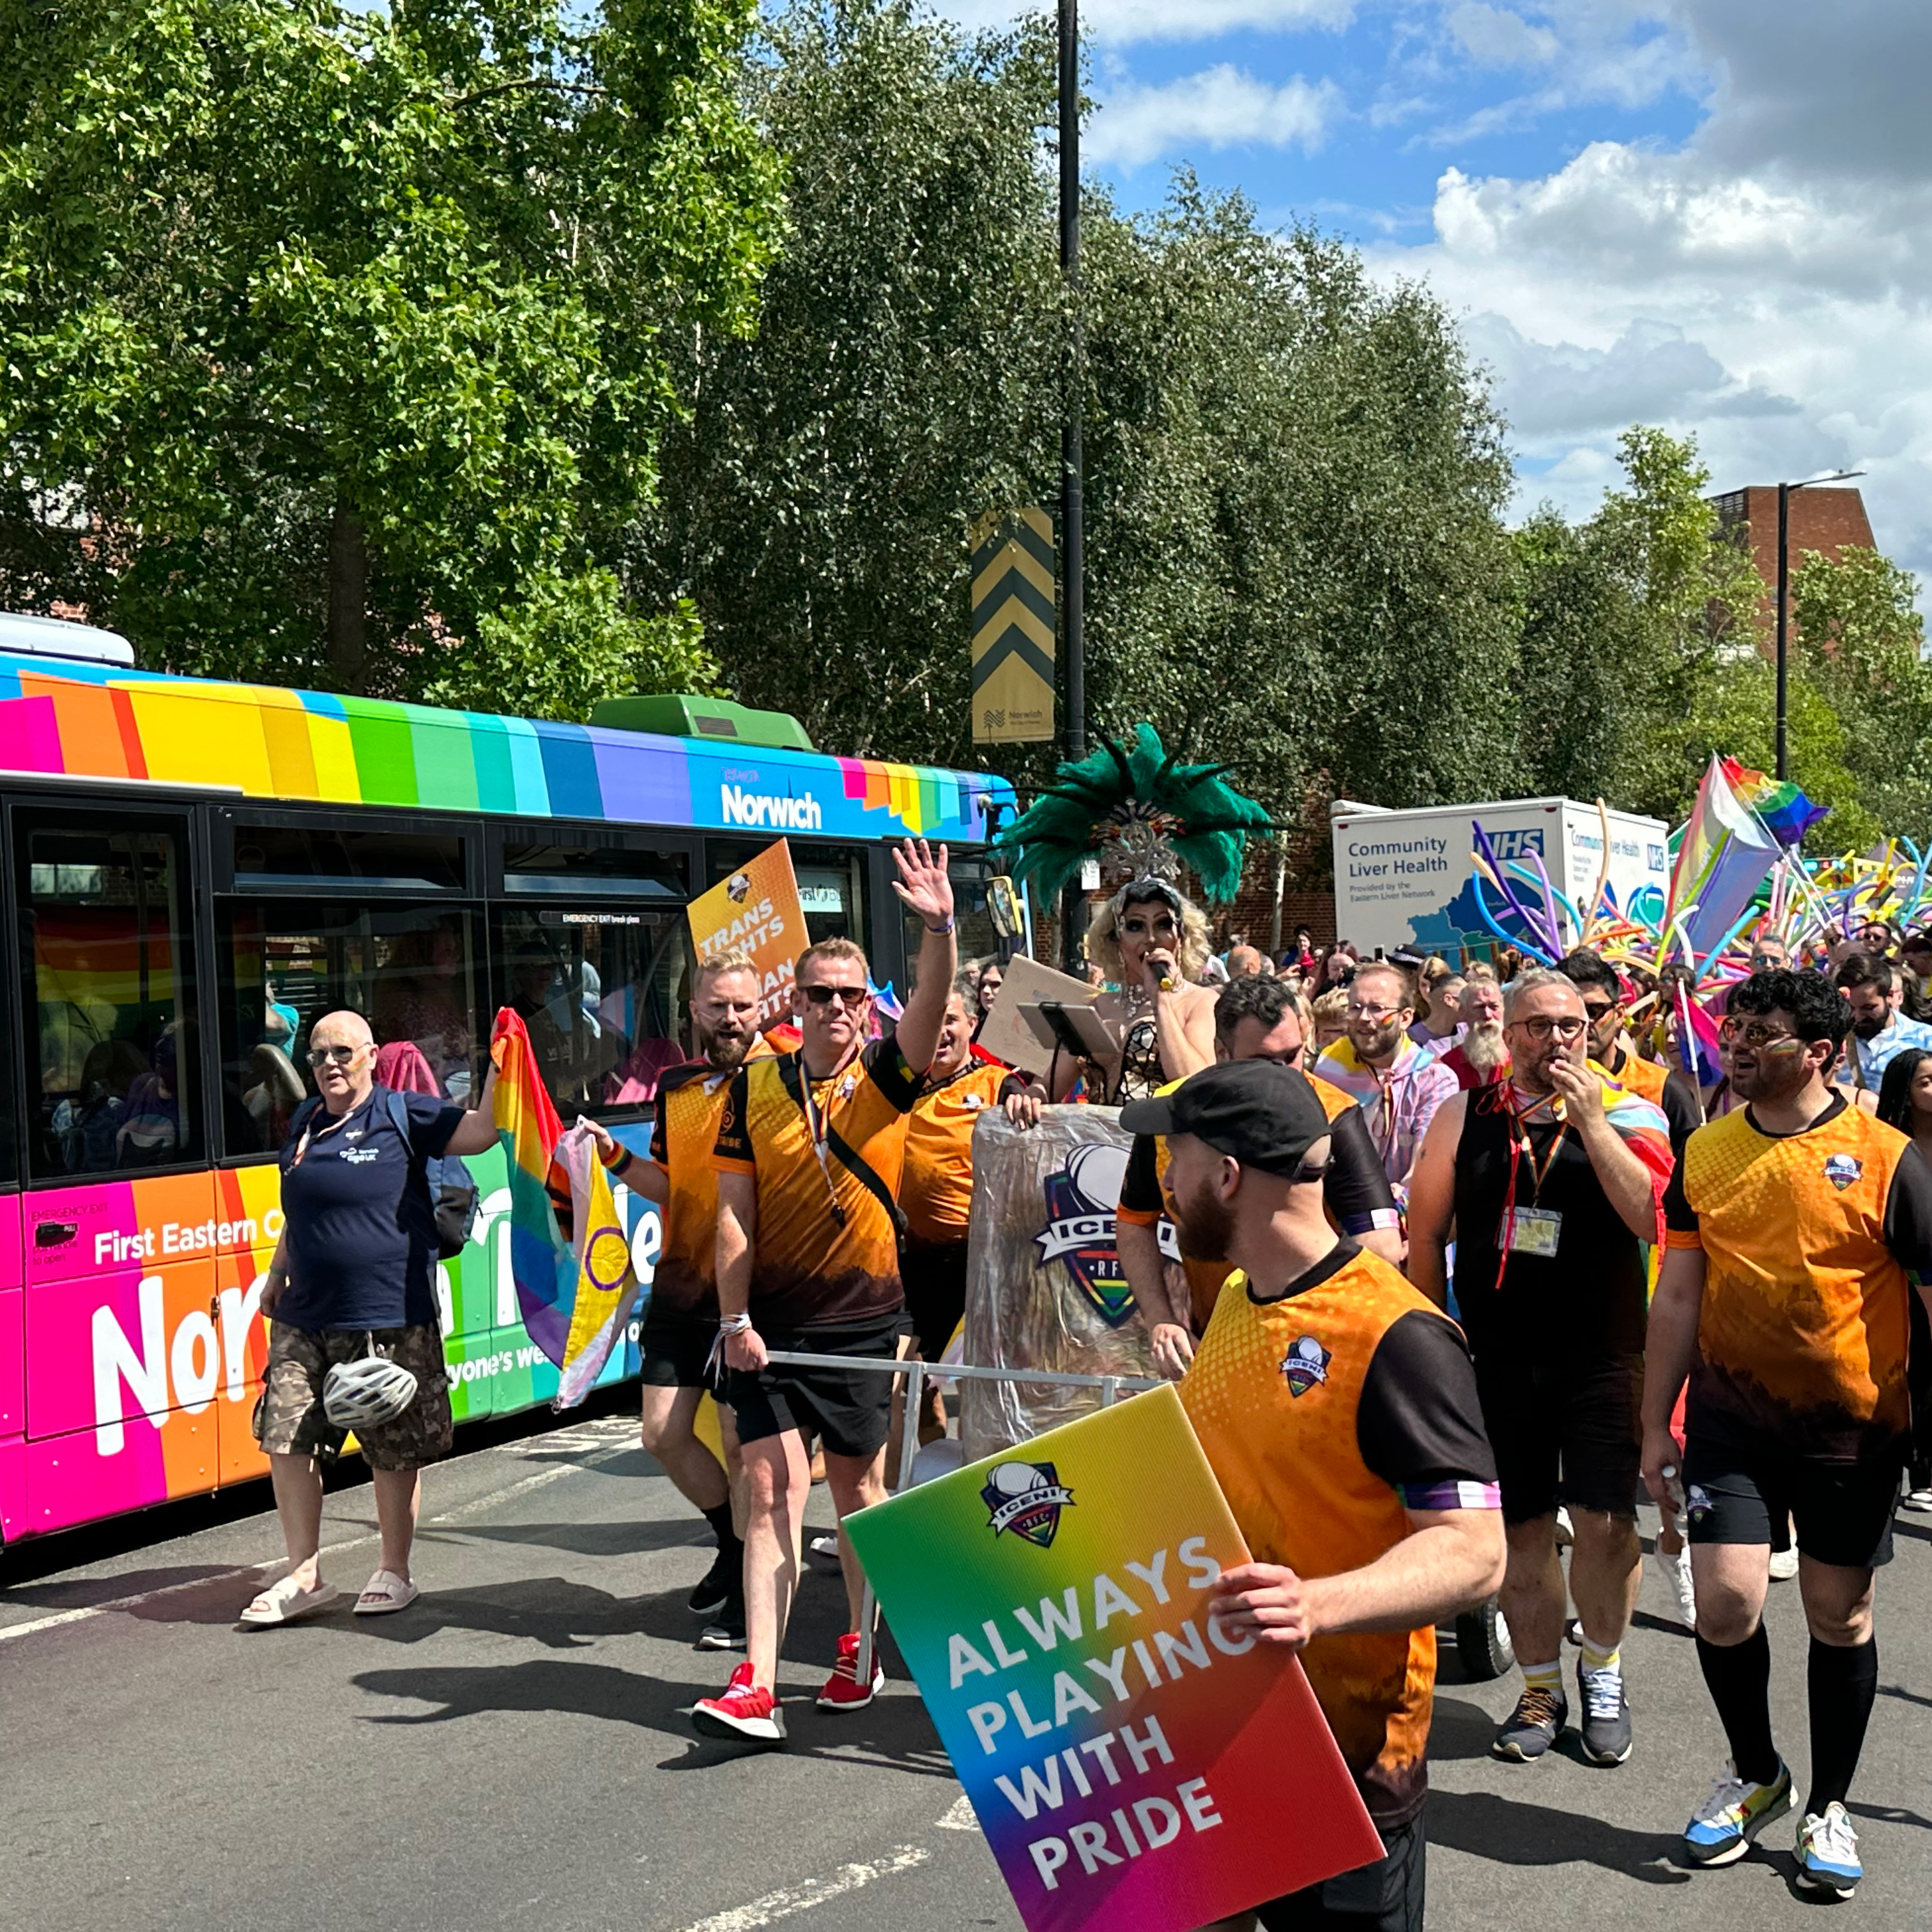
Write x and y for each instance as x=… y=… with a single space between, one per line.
x=575 y=1290
x=1725 y=855
x=1787 y=813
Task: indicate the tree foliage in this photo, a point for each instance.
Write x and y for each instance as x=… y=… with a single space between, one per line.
x=334 y=337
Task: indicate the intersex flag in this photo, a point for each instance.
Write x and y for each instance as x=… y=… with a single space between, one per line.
x=575 y=1286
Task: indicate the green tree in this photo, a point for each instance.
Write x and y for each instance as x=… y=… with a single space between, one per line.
x=334 y=338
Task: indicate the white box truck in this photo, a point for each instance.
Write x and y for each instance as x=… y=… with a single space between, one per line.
x=1402 y=879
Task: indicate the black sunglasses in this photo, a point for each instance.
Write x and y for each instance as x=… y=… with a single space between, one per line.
x=851 y=997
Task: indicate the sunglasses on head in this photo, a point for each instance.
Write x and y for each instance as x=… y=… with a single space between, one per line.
x=851 y=997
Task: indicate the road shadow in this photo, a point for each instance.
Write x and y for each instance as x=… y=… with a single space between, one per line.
x=1459 y=1730
x=1892 y=1814
x=581 y=1539
x=84 y=1593
x=1506 y=1831
x=1904 y=1696
x=893 y=1732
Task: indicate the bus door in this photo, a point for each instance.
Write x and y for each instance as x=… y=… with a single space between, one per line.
x=130 y=1369
x=589 y=947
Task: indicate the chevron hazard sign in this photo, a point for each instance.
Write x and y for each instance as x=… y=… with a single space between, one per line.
x=1012 y=629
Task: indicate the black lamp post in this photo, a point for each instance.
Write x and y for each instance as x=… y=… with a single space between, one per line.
x=1072 y=459
x=1784 y=493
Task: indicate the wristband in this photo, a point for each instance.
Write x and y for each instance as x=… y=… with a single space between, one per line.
x=624 y=1157
x=734 y=1325
x=940 y=932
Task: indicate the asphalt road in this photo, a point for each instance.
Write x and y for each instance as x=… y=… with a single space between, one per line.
x=512 y=1751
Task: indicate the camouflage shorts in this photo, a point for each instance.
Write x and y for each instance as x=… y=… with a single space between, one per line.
x=289 y=1421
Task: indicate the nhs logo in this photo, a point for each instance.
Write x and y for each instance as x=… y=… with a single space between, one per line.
x=762 y=811
x=1517 y=844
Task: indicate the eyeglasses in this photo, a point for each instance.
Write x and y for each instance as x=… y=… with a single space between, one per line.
x=1752 y=1033
x=1565 y=1026
x=1596 y=1015
x=851 y=997
x=1359 y=1009
x=332 y=1056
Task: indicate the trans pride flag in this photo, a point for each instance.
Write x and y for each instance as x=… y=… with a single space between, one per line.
x=575 y=1292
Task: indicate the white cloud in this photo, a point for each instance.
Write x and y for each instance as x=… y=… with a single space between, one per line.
x=1767 y=286
x=1221 y=107
x=1120 y=23
x=1494 y=37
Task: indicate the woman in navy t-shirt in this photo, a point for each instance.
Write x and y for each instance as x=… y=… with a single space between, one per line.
x=355 y=1270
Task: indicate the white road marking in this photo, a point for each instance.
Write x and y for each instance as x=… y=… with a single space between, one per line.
x=777 y=1905
x=267 y=1573
x=961 y=1818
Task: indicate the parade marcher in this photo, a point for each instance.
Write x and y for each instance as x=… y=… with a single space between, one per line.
x=1798 y=1226
x=1880 y=1031
x=1596 y=980
x=1479 y=1056
x=935 y=1191
x=1905 y=1101
x=1330 y=1013
x=1244 y=962
x=680 y=1327
x=1360 y=1480
x=353 y=1279
x=1257 y=1019
x=1398 y=1085
x=1549 y=1185
x=809 y=1153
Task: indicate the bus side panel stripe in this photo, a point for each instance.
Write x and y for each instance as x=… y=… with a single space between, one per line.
x=446 y=767
x=649 y=784
x=526 y=767
x=495 y=774
x=30 y=735
x=570 y=771
x=385 y=762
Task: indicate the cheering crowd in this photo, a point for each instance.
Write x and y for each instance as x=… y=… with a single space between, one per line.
x=1667 y=1279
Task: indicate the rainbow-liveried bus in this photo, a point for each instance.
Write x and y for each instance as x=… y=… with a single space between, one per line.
x=194 y=871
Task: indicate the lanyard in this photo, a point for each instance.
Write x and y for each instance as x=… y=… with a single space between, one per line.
x=314 y=1134
x=1519 y=1142
x=818 y=1126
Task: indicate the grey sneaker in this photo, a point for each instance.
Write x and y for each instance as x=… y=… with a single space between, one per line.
x=726 y=1631
x=1533 y=1727
x=1606 y=1724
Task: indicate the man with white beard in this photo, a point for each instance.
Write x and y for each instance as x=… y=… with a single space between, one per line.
x=1480 y=1055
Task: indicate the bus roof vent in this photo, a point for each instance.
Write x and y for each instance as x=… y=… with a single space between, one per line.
x=675 y=715
x=55 y=638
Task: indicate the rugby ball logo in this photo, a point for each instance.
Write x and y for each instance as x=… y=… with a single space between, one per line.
x=1026 y=1497
x=1842 y=1169
x=1305 y=1366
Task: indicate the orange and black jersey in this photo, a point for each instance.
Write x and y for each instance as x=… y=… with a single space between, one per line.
x=826 y=1156
x=1328 y=1412
x=1355 y=1190
x=936 y=1188
x=690 y=1103
x=1812 y=1242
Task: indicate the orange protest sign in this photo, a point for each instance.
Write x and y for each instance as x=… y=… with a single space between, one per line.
x=756 y=910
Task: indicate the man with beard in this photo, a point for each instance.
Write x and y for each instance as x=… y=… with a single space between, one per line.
x=1549 y=1183
x=1398 y=1086
x=681 y=1321
x=1255 y=1019
x=1479 y=1055
x=1797 y=1227
x=1880 y=1032
x=1596 y=980
x=1338 y=1411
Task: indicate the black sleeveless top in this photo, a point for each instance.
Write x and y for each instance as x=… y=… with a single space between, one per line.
x=1592 y=1298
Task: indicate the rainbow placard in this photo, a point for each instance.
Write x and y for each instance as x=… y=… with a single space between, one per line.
x=1132 y=1766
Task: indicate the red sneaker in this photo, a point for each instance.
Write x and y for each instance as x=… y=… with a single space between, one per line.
x=843 y=1691
x=742 y=1710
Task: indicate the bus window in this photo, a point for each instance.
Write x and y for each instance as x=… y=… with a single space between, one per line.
x=109 y=949
x=612 y=864
x=269 y=857
x=831 y=884
x=978 y=938
x=410 y=971
x=603 y=992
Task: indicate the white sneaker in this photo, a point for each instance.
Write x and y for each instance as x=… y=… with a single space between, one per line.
x=1566 y=1534
x=1784 y=1564
x=1680 y=1595
x=1827 y=1853
x=1919 y=1500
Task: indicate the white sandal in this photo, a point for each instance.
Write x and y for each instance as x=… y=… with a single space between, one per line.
x=387 y=1592
x=285 y=1601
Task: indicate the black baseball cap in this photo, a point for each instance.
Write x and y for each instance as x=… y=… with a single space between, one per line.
x=1265 y=1115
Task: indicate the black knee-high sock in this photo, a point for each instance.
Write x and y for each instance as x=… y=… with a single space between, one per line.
x=1739 y=1677
x=720 y=1520
x=1843 y=1685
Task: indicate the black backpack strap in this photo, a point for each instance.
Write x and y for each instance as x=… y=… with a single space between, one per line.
x=861 y=1171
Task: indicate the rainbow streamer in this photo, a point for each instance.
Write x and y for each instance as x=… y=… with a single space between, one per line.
x=575 y=1290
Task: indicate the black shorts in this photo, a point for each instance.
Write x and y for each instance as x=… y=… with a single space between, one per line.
x=935 y=1293
x=849 y=1409
x=1570 y=1435
x=1385 y=1897
x=1841 y=1511
x=675 y=1354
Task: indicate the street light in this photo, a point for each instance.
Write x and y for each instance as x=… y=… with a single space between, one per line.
x=1784 y=490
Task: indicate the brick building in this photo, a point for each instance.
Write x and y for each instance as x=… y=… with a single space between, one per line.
x=1829 y=519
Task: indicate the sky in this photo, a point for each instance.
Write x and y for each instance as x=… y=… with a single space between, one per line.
x=1715 y=215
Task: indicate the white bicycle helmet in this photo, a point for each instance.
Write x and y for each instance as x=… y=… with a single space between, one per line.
x=359 y=1394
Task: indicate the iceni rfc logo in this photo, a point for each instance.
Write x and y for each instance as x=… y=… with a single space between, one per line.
x=1026 y=1497
x=1842 y=1169
x=1081 y=1203
x=1306 y=1365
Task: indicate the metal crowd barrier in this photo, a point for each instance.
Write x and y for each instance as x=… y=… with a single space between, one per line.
x=917 y=1373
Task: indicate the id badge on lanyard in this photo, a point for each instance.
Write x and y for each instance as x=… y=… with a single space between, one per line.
x=1532 y=1231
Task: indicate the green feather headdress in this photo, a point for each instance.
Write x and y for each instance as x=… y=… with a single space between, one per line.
x=1141 y=813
